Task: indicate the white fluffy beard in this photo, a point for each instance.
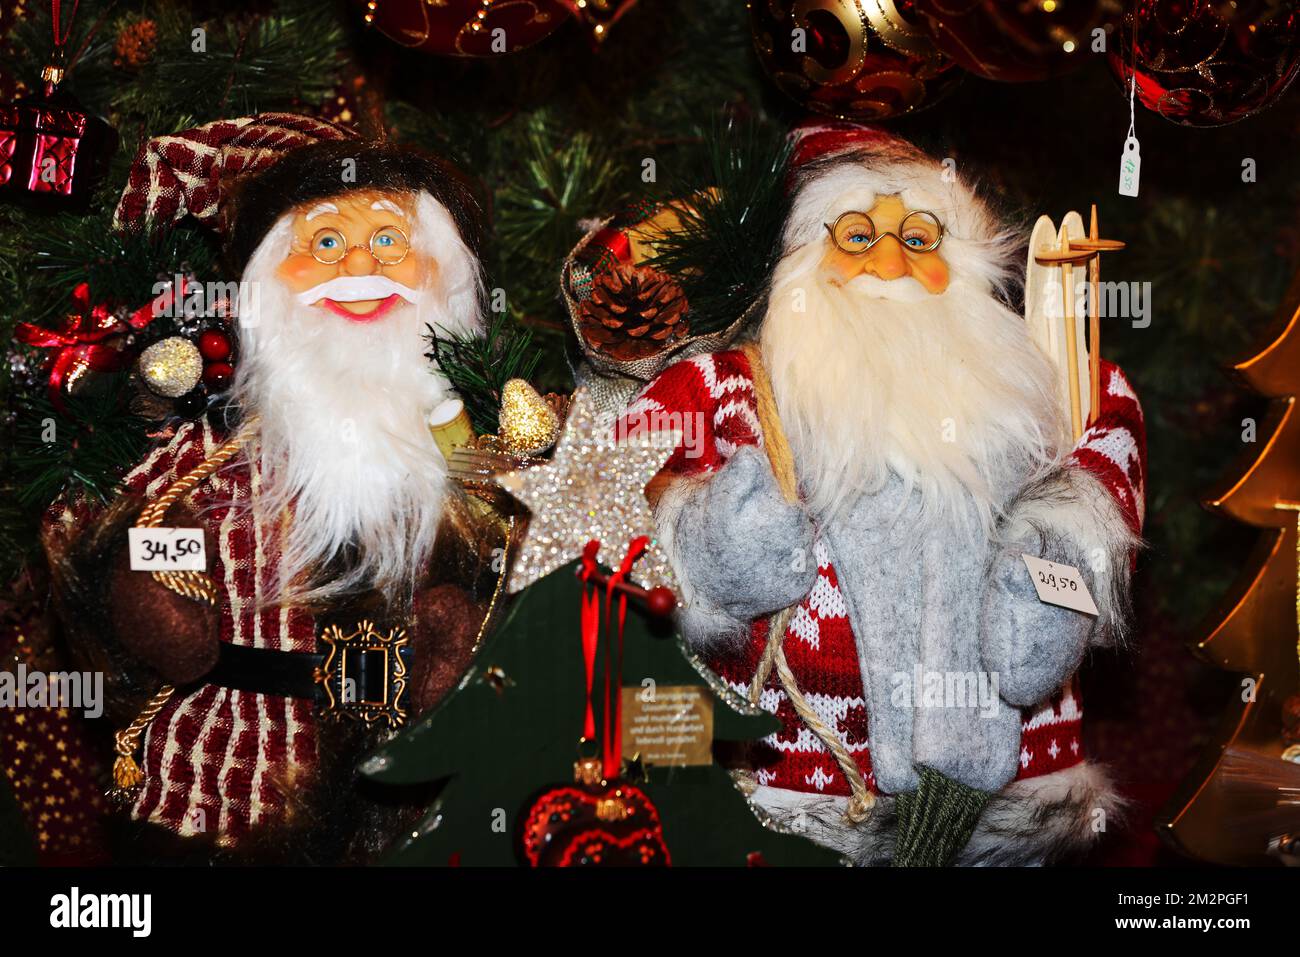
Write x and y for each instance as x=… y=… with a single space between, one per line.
x=342 y=443
x=947 y=391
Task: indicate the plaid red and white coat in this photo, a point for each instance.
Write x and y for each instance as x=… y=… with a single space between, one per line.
x=220 y=761
x=819 y=642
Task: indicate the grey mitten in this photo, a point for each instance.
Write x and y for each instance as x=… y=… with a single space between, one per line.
x=740 y=545
x=1031 y=646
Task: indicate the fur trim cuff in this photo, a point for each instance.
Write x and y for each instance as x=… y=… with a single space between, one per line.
x=1042 y=820
x=1070 y=513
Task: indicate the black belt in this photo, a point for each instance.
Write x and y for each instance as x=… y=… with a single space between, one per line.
x=362 y=675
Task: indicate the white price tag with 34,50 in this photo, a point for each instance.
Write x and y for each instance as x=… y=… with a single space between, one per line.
x=1060 y=585
x=167 y=550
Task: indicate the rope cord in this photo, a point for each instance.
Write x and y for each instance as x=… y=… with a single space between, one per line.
x=781 y=458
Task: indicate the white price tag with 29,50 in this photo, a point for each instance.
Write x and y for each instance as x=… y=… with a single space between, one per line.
x=1060 y=585
x=167 y=550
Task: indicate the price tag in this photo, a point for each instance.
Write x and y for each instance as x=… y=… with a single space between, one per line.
x=1060 y=585
x=1130 y=167
x=167 y=550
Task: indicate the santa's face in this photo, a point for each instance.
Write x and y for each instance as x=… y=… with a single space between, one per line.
x=890 y=244
x=888 y=354
x=333 y=370
x=351 y=255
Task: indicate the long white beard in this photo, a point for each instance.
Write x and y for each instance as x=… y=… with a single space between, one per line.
x=949 y=392
x=343 y=444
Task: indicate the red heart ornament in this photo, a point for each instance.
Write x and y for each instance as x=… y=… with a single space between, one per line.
x=611 y=825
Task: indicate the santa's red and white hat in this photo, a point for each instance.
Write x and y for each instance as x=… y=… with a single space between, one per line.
x=838 y=166
x=239 y=176
x=818 y=138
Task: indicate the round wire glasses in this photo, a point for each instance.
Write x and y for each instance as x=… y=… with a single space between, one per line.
x=855 y=233
x=388 y=245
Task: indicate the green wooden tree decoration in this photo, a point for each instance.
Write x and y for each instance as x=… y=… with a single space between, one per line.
x=512 y=728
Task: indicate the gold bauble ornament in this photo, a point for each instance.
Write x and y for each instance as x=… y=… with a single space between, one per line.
x=171 y=367
x=527 y=423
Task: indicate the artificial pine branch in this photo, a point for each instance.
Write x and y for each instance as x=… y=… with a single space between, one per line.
x=478 y=366
x=57 y=252
x=82 y=453
x=729 y=241
x=280 y=60
x=562 y=178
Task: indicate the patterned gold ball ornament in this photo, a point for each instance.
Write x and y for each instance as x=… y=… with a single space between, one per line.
x=527 y=424
x=863 y=60
x=171 y=367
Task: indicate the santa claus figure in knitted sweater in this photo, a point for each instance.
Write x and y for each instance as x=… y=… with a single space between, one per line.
x=875 y=465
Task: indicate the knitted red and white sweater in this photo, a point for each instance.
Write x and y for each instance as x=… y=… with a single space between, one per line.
x=819 y=642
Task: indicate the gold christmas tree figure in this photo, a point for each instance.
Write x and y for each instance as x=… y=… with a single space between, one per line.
x=1240 y=804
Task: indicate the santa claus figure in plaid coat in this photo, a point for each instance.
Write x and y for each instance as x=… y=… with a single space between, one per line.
x=318 y=623
x=873 y=468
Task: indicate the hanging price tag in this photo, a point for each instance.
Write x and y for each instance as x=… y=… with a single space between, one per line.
x=1130 y=167
x=167 y=550
x=1060 y=585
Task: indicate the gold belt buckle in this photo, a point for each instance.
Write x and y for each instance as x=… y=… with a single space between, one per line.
x=349 y=659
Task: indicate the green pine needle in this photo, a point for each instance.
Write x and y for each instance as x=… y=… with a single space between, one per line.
x=81 y=453
x=730 y=239
x=478 y=366
x=561 y=178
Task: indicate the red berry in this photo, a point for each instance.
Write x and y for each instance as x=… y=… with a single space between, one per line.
x=661 y=601
x=214 y=345
x=216 y=375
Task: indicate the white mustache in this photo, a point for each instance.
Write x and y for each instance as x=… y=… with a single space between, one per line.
x=358 y=289
x=903 y=289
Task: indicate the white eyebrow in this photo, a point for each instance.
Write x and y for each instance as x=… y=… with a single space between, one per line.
x=388 y=205
x=320 y=210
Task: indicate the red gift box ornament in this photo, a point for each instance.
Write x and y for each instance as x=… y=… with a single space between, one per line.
x=51 y=149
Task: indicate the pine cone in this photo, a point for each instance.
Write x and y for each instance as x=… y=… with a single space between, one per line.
x=135 y=44
x=634 y=312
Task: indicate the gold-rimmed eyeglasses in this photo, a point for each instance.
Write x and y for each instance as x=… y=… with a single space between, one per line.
x=388 y=245
x=855 y=233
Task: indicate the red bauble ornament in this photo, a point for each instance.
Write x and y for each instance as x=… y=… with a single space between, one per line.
x=610 y=825
x=51 y=150
x=855 y=59
x=661 y=601
x=217 y=375
x=1018 y=42
x=214 y=345
x=1206 y=63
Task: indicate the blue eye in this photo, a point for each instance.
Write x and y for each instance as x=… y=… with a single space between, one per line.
x=329 y=242
x=915 y=241
x=384 y=240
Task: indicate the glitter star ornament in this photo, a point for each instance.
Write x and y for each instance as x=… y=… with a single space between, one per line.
x=593 y=487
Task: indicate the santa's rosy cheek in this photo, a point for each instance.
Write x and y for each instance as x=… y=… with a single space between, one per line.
x=931 y=272
x=841 y=264
x=301 y=272
x=415 y=270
